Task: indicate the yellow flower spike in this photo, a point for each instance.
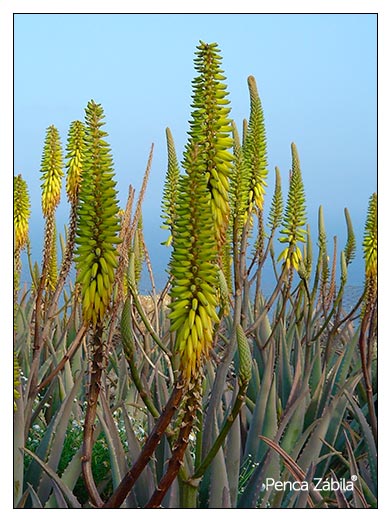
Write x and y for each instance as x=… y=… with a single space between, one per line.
x=370 y=248
x=75 y=147
x=51 y=168
x=295 y=215
x=97 y=221
x=255 y=150
x=21 y=212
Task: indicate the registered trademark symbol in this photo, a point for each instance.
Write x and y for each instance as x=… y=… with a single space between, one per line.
x=354 y=478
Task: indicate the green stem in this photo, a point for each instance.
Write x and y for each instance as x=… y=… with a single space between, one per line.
x=240 y=398
x=188 y=493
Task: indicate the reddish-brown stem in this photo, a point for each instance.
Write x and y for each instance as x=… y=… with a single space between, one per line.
x=154 y=438
x=68 y=355
x=90 y=416
x=174 y=466
x=365 y=356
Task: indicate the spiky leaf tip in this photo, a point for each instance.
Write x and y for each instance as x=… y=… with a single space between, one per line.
x=51 y=168
x=21 y=211
x=97 y=221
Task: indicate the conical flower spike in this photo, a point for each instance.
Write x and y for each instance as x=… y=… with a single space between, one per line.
x=51 y=167
x=75 y=160
x=97 y=221
x=21 y=212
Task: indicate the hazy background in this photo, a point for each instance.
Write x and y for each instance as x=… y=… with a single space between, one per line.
x=316 y=76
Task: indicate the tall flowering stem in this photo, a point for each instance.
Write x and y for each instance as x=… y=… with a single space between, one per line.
x=51 y=168
x=368 y=327
x=96 y=261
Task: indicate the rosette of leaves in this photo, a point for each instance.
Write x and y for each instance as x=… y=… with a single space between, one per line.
x=210 y=133
x=294 y=216
x=97 y=220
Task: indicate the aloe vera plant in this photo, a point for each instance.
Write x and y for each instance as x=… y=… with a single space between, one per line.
x=209 y=393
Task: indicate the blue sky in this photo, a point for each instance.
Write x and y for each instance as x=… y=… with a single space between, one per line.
x=316 y=76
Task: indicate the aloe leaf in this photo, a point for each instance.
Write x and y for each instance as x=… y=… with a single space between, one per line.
x=254 y=383
x=334 y=430
x=303 y=496
x=23 y=499
x=328 y=387
x=253 y=488
x=369 y=441
x=144 y=486
x=312 y=410
x=18 y=453
x=36 y=503
x=60 y=425
x=345 y=366
x=358 y=495
x=117 y=453
x=71 y=499
x=316 y=372
x=314 y=445
x=214 y=408
x=72 y=471
x=284 y=367
x=293 y=468
x=34 y=473
x=294 y=429
x=257 y=422
x=173 y=497
x=219 y=483
x=270 y=422
x=59 y=497
x=342 y=502
x=233 y=450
